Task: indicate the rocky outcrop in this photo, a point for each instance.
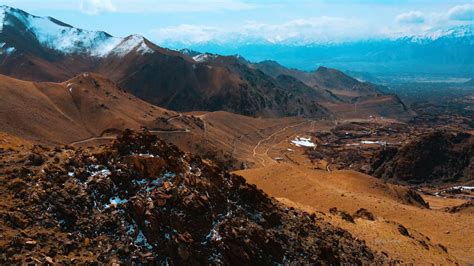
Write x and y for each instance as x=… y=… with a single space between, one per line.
x=437 y=157
x=144 y=201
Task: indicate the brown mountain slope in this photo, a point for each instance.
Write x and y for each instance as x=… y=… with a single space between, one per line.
x=171 y=79
x=433 y=158
x=350 y=98
x=325 y=78
x=80 y=108
x=342 y=84
x=177 y=83
x=388 y=223
x=160 y=76
x=90 y=109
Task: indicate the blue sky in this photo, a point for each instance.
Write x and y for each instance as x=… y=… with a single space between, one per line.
x=189 y=22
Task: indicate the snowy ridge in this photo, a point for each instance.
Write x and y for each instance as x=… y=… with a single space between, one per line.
x=60 y=37
x=435 y=34
x=131 y=43
x=2 y=17
x=189 y=52
x=204 y=57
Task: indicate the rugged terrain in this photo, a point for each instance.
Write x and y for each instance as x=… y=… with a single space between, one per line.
x=142 y=200
x=85 y=106
x=57 y=52
x=339 y=171
x=435 y=157
x=391 y=219
x=355 y=99
x=160 y=76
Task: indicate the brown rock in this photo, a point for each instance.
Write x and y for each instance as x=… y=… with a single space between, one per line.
x=161 y=202
x=35 y=159
x=48 y=260
x=148 y=166
x=364 y=214
x=403 y=230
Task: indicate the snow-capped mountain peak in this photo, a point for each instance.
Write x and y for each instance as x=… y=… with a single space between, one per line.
x=135 y=43
x=438 y=33
x=3 y=13
x=60 y=37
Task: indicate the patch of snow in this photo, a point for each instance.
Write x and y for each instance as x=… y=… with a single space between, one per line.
x=106 y=47
x=96 y=172
x=215 y=235
x=140 y=182
x=352 y=144
x=114 y=201
x=146 y=155
x=464 y=187
x=130 y=229
x=10 y=50
x=303 y=142
x=437 y=33
x=69 y=40
x=141 y=240
x=150 y=185
x=379 y=142
x=204 y=57
x=169 y=174
x=104 y=172
x=132 y=43
x=157 y=182
x=70 y=174
x=69 y=87
x=2 y=17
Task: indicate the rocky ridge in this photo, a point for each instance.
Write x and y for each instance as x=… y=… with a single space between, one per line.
x=144 y=201
x=440 y=156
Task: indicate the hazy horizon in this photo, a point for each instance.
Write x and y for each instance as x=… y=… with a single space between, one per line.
x=183 y=23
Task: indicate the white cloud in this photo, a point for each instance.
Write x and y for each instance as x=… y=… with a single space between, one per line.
x=431 y=24
x=187 y=33
x=138 y=6
x=462 y=12
x=36 y=5
x=412 y=17
x=298 y=31
x=96 y=6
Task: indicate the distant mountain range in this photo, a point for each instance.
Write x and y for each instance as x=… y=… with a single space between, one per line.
x=447 y=52
x=45 y=49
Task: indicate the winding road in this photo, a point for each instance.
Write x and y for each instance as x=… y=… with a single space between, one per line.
x=91 y=139
x=261 y=157
x=114 y=137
